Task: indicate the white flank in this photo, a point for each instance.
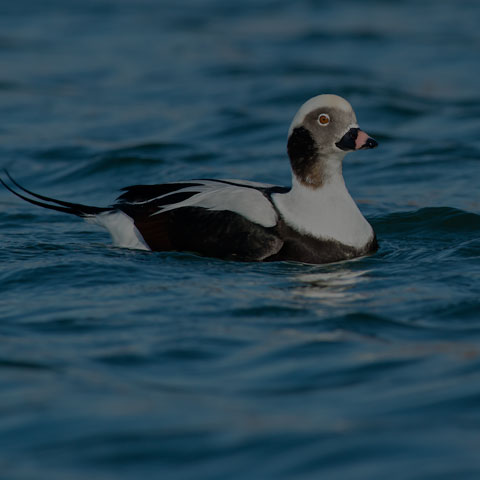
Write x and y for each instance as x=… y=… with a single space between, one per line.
x=247 y=202
x=328 y=212
x=122 y=229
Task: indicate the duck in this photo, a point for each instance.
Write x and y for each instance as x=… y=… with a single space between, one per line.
x=314 y=221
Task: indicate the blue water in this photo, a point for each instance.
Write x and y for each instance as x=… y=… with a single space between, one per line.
x=118 y=364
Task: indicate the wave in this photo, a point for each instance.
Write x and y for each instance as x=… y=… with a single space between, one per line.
x=446 y=220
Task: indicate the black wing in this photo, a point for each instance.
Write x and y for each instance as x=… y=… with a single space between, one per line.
x=209 y=232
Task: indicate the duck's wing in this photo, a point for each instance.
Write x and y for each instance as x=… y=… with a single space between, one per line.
x=248 y=199
x=218 y=218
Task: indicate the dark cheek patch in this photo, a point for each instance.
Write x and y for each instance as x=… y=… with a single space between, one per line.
x=302 y=151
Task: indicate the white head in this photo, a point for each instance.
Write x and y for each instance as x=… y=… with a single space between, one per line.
x=323 y=130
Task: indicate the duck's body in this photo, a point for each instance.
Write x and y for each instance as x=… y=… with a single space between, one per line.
x=314 y=221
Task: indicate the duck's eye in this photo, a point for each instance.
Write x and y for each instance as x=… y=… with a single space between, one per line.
x=323 y=119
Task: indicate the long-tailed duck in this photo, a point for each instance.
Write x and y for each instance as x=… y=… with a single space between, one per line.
x=313 y=221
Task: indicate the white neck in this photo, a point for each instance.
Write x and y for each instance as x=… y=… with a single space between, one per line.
x=331 y=166
x=327 y=212
x=321 y=169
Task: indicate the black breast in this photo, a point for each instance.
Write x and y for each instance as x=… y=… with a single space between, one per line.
x=308 y=249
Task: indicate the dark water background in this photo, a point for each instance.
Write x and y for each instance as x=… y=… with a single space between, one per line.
x=118 y=364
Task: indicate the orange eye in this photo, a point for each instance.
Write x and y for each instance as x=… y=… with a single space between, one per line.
x=323 y=119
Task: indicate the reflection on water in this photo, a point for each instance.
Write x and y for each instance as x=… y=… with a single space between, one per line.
x=332 y=287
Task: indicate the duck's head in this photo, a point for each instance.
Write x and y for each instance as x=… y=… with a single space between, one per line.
x=323 y=130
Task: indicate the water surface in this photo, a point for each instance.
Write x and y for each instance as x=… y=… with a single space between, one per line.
x=118 y=364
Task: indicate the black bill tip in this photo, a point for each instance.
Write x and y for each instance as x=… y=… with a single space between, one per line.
x=370 y=143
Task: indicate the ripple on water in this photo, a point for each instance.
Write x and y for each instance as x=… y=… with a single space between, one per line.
x=123 y=364
x=447 y=221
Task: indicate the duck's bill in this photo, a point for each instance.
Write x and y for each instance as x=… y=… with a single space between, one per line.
x=356 y=139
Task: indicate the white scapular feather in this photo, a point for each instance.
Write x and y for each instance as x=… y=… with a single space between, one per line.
x=248 y=202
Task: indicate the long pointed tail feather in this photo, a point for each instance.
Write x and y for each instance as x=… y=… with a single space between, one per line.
x=58 y=205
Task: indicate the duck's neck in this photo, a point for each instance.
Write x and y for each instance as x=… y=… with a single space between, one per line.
x=312 y=168
x=324 y=170
x=311 y=195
